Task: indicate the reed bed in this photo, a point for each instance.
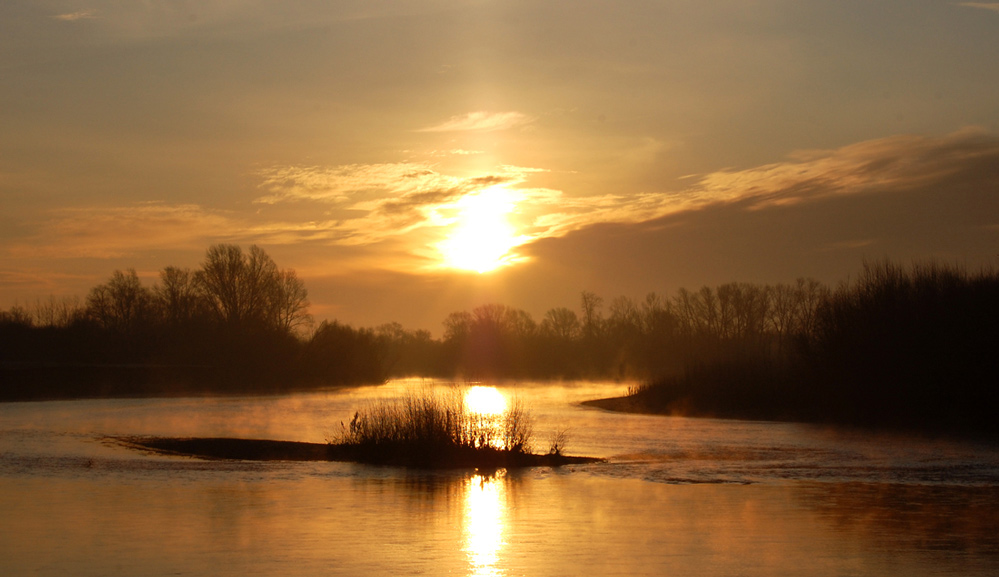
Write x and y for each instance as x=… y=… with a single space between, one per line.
x=435 y=422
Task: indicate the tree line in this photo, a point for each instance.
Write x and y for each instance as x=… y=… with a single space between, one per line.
x=657 y=336
x=241 y=322
x=899 y=345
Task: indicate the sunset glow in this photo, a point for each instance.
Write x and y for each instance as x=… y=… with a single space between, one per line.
x=412 y=159
x=499 y=288
x=482 y=237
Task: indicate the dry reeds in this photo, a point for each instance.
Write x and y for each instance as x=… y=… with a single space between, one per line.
x=437 y=421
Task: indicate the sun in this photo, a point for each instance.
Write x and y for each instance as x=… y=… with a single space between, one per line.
x=482 y=237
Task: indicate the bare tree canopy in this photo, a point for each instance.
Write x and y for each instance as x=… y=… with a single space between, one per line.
x=121 y=304
x=243 y=289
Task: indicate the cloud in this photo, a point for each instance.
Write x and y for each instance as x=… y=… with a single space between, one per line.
x=480 y=121
x=453 y=152
x=369 y=203
x=79 y=15
x=140 y=20
x=889 y=164
x=343 y=184
x=392 y=216
x=408 y=207
x=994 y=6
x=111 y=232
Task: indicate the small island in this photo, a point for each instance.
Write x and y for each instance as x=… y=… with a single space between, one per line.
x=271 y=450
x=429 y=431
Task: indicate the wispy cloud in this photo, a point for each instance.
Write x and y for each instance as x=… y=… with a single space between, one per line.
x=414 y=203
x=395 y=213
x=79 y=15
x=896 y=163
x=891 y=165
x=344 y=184
x=370 y=203
x=848 y=244
x=480 y=121
x=110 y=232
x=454 y=152
x=994 y=6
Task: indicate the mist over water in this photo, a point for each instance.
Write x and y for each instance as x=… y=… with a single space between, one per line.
x=676 y=496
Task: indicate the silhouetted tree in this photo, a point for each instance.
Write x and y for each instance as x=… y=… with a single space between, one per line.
x=591 y=304
x=238 y=287
x=247 y=289
x=53 y=312
x=338 y=353
x=178 y=296
x=561 y=323
x=492 y=340
x=121 y=305
x=409 y=353
x=291 y=302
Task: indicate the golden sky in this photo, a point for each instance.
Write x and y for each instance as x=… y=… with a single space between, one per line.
x=412 y=158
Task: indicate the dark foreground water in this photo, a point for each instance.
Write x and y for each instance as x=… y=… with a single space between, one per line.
x=676 y=497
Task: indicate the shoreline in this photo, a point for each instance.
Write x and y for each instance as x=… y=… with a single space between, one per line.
x=624 y=404
x=271 y=450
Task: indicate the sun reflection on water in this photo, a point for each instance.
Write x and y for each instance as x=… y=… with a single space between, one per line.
x=487 y=407
x=485 y=400
x=485 y=502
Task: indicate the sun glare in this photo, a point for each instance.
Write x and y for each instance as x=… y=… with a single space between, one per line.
x=482 y=238
x=485 y=401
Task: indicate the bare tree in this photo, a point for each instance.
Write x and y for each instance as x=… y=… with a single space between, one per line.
x=659 y=316
x=782 y=312
x=122 y=304
x=292 y=303
x=706 y=310
x=57 y=312
x=561 y=323
x=591 y=304
x=244 y=289
x=17 y=315
x=810 y=294
x=457 y=326
x=177 y=294
x=684 y=303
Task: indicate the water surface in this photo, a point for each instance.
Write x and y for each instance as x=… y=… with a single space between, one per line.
x=676 y=496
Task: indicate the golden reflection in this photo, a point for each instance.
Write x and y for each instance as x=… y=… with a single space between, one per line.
x=486 y=408
x=485 y=502
x=485 y=400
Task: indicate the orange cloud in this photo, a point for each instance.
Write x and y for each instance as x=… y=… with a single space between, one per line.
x=886 y=164
x=397 y=212
x=415 y=204
x=110 y=232
x=79 y=15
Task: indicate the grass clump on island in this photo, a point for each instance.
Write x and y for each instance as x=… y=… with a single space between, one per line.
x=438 y=430
x=432 y=430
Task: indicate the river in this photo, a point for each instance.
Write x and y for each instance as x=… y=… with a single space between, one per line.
x=676 y=496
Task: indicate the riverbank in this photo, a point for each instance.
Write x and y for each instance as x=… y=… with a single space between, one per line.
x=624 y=404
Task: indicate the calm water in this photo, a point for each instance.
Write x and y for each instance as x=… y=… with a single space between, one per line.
x=676 y=497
